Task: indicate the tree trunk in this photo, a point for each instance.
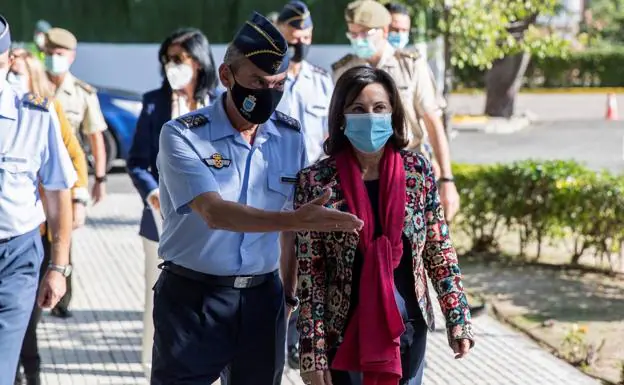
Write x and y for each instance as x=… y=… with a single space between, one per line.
x=503 y=81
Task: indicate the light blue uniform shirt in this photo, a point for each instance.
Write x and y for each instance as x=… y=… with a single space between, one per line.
x=209 y=155
x=306 y=98
x=31 y=152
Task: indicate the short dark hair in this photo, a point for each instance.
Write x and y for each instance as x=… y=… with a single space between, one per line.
x=349 y=86
x=397 y=8
x=195 y=43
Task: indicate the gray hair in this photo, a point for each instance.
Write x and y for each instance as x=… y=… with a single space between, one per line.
x=233 y=57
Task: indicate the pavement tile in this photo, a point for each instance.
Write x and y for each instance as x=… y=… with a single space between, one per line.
x=101 y=343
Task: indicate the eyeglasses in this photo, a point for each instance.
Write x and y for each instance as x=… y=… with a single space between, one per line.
x=354 y=35
x=176 y=59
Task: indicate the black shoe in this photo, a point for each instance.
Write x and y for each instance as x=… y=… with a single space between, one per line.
x=293 y=357
x=61 y=312
x=33 y=379
x=476 y=311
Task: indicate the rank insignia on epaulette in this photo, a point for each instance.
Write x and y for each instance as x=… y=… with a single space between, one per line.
x=288 y=120
x=217 y=161
x=193 y=121
x=342 y=62
x=37 y=101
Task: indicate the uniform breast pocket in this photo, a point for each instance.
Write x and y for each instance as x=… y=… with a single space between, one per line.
x=15 y=177
x=282 y=188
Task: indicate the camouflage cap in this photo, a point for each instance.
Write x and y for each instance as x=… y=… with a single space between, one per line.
x=59 y=37
x=367 y=13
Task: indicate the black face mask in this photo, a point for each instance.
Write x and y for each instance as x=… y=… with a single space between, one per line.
x=298 y=52
x=255 y=105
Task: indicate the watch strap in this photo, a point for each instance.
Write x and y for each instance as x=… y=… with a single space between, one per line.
x=101 y=179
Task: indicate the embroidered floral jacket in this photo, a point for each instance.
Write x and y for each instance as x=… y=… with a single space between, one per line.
x=325 y=260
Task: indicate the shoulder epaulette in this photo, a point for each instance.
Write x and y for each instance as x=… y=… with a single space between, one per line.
x=85 y=86
x=319 y=70
x=408 y=54
x=342 y=62
x=193 y=120
x=37 y=101
x=288 y=120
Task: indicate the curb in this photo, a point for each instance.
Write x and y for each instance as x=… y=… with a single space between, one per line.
x=549 y=91
x=489 y=125
x=498 y=315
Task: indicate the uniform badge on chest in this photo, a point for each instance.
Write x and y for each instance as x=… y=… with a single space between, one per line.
x=217 y=161
x=249 y=103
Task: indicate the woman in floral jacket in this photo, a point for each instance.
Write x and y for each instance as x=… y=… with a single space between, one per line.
x=365 y=307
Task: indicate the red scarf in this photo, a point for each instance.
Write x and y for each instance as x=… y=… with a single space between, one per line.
x=371 y=342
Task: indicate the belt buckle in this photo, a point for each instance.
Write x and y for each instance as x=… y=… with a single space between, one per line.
x=242 y=282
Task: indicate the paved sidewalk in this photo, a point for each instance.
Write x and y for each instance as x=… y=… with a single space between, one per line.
x=101 y=343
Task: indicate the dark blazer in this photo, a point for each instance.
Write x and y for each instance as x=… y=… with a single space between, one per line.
x=141 y=162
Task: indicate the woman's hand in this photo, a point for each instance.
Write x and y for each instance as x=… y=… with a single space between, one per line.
x=461 y=348
x=319 y=377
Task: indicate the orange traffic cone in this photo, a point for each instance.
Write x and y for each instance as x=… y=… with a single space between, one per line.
x=612 y=108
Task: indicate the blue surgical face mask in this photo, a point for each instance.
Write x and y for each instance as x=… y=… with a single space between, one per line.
x=363 y=47
x=368 y=133
x=398 y=39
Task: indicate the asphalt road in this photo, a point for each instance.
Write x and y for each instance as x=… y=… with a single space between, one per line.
x=597 y=143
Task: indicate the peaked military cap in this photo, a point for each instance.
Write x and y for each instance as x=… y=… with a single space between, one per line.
x=261 y=43
x=59 y=37
x=5 y=35
x=367 y=13
x=296 y=14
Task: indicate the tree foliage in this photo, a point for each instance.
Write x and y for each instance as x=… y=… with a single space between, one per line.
x=482 y=31
x=604 y=23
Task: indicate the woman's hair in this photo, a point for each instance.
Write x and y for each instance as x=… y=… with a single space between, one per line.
x=348 y=88
x=197 y=46
x=38 y=79
x=399 y=8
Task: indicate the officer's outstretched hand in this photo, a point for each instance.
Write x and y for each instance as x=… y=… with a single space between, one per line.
x=53 y=286
x=313 y=216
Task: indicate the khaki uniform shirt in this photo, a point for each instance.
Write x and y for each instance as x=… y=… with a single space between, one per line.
x=414 y=80
x=81 y=105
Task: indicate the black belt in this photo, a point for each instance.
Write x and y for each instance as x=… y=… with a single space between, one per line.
x=235 y=281
x=5 y=240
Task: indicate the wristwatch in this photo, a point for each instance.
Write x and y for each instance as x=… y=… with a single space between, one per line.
x=80 y=200
x=446 y=180
x=293 y=302
x=66 y=270
x=100 y=179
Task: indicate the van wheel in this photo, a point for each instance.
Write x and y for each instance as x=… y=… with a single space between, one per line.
x=110 y=143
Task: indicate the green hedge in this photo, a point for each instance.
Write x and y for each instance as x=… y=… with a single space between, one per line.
x=599 y=67
x=560 y=201
x=150 y=21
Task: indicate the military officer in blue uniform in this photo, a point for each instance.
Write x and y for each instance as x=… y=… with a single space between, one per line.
x=308 y=88
x=307 y=94
x=31 y=153
x=227 y=175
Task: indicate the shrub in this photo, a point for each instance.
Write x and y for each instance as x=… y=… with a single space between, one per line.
x=594 y=67
x=539 y=201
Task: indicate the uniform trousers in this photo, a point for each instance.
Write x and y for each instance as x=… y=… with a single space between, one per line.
x=29 y=356
x=20 y=261
x=202 y=330
x=150 y=248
